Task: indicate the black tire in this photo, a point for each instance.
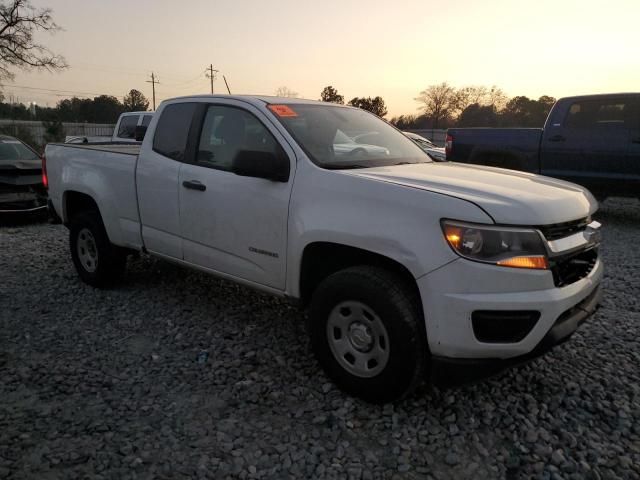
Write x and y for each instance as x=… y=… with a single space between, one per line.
x=391 y=300
x=110 y=260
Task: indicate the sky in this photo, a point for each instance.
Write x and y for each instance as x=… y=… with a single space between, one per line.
x=394 y=49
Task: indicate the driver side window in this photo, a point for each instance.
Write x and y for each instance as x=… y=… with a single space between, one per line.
x=227 y=131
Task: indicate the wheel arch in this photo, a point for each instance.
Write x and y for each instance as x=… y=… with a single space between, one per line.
x=74 y=202
x=321 y=259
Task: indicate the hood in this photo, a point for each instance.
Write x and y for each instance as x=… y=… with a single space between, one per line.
x=510 y=197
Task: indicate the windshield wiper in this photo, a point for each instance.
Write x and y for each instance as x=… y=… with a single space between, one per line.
x=343 y=166
x=409 y=163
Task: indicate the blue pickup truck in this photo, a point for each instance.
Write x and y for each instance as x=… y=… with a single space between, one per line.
x=592 y=140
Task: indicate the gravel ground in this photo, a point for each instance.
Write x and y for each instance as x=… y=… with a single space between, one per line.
x=178 y=375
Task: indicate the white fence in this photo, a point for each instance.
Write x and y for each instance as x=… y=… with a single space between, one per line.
x=37 y=129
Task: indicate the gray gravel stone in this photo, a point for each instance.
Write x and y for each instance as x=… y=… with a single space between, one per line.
x=452 y=459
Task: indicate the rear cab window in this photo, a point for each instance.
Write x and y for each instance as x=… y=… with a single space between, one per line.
x=127 y=128
x=599 y=114
x=172 y=130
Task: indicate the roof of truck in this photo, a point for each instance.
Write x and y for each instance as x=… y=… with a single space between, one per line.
x=254 y=99
x=127 y=114
x=602 y=95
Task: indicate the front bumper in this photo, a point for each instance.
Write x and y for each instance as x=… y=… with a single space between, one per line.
x=455 y=371
x=452 y=293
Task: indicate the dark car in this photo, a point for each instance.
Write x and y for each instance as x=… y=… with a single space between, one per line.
x=21 y=187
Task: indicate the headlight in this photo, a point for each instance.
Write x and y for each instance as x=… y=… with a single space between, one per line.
x=504 y=246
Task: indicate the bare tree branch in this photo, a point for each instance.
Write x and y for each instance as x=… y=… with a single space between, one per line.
x=438 y=102
x=18 y=23
x=286 y=92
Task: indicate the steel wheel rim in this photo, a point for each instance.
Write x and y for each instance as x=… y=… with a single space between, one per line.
x=87 y=250
x=358 y=339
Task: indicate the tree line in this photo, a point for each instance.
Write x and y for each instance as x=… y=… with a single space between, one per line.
x=374 y=105
x=100 y=109
x=443 y=106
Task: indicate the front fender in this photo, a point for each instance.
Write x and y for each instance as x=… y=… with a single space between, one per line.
x=397 y=222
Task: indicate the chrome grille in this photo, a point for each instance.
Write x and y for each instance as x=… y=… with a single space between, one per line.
x=561 y=230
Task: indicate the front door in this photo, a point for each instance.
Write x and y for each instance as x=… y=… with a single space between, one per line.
x=234 y=224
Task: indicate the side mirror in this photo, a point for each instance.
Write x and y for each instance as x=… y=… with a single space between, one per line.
x=140 y=132
x=255 y=163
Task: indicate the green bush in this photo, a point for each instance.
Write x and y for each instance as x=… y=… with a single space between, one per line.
x=53 y=131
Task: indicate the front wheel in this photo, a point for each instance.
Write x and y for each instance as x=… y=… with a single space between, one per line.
x=367 y=331
x=98 y=262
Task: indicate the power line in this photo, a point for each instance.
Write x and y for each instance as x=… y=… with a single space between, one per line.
x=51 y=90
x=102 y=68
x=183 y=84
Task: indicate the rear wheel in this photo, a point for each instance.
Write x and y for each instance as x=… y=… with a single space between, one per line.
x=98 y=262
x=367 y=331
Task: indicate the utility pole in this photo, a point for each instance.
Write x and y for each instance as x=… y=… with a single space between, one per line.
x=211 y=74
x=153 y=82
x=225 y=82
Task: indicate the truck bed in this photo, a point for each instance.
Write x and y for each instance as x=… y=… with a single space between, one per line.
x=111 y=147
x=516 y=148
x=106 y=171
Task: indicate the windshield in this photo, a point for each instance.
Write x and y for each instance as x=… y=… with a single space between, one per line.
x=338 y=137
x=12 y=150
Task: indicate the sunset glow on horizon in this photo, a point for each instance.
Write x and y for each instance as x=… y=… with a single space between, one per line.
x=362 y=48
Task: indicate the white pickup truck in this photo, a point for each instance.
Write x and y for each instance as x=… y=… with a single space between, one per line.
x=124 y=131
x=411 y=269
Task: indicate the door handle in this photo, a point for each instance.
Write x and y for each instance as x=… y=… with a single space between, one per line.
x=557 y=138
x=194 y=185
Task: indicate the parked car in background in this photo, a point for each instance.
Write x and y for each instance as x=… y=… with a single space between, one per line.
x=21 y=181
x=345 y=145
x=124 y=131
x=592 y=140
x=410 y=268
x=435 y=152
